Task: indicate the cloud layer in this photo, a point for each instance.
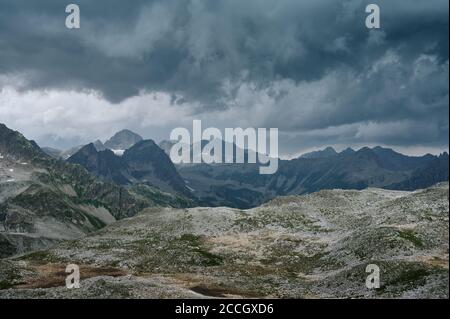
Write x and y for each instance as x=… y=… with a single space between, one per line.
x=308 y=67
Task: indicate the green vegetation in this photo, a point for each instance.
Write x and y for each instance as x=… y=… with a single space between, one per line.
x=195 y=244
x=411 y=236
x=9 y=275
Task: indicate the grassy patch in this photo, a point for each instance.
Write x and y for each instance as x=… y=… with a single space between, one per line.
x=410 y=277
x=9 y=275
x=411 y=236
x=195 y=244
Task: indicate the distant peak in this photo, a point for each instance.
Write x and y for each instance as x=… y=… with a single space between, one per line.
x=382 y=149
x=99 y=145
x=88 y=148
x=348 y=150
x=126 y=131
x=326 y=152
x=123 y=140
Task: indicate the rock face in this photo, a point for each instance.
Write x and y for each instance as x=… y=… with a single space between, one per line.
x=101 y=163
x=122 y=140
x=310 y=246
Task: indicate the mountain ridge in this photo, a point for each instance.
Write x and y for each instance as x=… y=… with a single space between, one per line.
x=241 y=186
x=144 y=163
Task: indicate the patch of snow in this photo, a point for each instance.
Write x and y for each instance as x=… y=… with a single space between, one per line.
x=118 y=152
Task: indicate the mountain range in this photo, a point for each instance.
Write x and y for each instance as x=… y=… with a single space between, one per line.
x=128 y=160
x=241 y=185
x=121 y=141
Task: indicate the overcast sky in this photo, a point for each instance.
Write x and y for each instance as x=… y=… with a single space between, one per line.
x=308 y=67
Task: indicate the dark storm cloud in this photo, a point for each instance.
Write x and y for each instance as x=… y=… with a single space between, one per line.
x=205 y=51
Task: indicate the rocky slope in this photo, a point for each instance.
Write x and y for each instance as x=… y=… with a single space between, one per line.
x=311 y=246
x=44 y=200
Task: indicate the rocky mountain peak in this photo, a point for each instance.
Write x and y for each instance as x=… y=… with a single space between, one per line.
x=123 y=140
x=14 y=144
